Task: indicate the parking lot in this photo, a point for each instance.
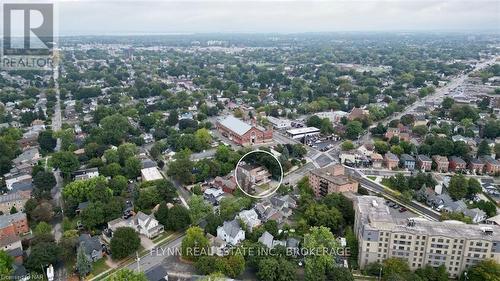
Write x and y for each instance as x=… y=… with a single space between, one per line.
x=322 y=143
x=398 y=212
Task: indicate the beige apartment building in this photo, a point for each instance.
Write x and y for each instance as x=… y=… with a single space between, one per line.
x=331 y=179
x=419 y=241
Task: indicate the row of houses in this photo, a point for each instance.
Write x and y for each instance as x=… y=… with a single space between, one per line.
x=442 y=164
x=12 y=226
x=443 y=202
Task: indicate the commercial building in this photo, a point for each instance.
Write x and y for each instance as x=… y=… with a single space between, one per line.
x=279 y=123
x=303 y=132
x=151 y=174
x=420 y=242
x=242 y=133
x=331 y=179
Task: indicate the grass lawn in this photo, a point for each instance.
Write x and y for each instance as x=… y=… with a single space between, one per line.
x=161 y=236
x=99 y=266
x=371 y=177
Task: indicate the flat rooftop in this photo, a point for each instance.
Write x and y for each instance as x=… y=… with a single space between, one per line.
x=375 y=214
x=305 y=130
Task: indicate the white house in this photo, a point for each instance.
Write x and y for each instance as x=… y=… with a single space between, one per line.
x=147 y=225
x=250 y=219
x=231 y=232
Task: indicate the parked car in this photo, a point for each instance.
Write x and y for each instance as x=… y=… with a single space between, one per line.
x=403 y=209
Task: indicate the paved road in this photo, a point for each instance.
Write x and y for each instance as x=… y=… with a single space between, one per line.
x=440 y=93
x=209 y=153
x=60 y=270
x=158 y=255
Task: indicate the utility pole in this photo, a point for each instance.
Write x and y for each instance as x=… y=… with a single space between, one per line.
x=138 y=260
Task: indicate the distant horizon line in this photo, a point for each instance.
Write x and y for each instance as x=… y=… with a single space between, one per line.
x=415 y=31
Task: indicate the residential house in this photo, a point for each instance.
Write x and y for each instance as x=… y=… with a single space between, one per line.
x=267 y=239
x=86 y=174
x=424 y=162
x=29 y=156
x=391 y=161
x=91 y=246
x=12 y=181
x=147 y=225
x=476 y=166
x=11 y=244
x=81 y=207
x=420 y=120
x=227 y=185
x=14 y=199
x=441 y=163
x=231 y=232
x=475 y=214
x=217 y=245
x=250 y=219
x=392 y=132
x=213 y=195
x=14 y=224
x=144 y=224
x=407 y=161
x=267 y=211
x=492 y=166
x=457 y=164
x=377 y=160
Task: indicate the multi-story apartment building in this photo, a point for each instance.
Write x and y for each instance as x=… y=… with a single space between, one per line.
x=419 y=241
x=331 y=179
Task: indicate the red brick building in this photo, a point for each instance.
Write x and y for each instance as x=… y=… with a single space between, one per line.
x=457 y=164
x=476 y=166
x=242 y=133
x=491 y=165
x=227 y=185
x=441 y=163
x=424 y=163
x=391 y=161
x=14 y=224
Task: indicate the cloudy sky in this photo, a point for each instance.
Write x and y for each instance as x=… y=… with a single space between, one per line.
x=84 y=17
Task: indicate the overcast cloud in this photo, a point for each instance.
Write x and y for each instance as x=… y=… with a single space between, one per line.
x=153 y=17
